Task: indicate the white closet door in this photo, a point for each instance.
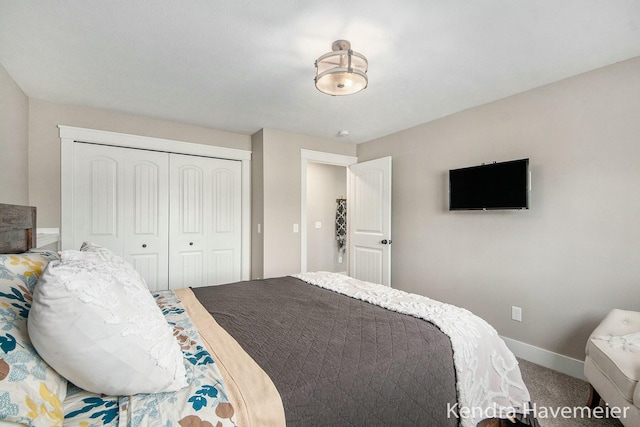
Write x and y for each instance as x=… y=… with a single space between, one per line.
x=206 y=237
x=121 y=202
x=146 y=215
x=97 y=196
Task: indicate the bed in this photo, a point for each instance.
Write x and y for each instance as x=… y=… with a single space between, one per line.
x=305 y=350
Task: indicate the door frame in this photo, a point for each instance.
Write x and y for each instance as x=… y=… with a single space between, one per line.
x=307 y=156
x=69 y=135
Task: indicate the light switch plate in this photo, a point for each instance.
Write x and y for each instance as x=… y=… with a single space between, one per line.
x=516 y=313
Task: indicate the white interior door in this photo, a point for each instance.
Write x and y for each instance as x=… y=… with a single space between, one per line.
x=205 y=245
x=120 y=198
x=370 y=221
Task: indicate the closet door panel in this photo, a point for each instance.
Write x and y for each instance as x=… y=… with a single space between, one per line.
x=121 y=202
x=190 y=270
x=187 y=266
x=97 y=197
x=225 y=248
x=205 y=221
x=150 y=268
x=104 y=196
x=190 y=201
x=146 y=228
x=222 y=267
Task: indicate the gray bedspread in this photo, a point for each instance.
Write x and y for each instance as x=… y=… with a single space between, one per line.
x=338 y=361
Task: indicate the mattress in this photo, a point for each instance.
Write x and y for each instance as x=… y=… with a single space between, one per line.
x=337 y=360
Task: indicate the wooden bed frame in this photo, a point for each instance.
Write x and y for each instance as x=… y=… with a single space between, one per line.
x=17 y=228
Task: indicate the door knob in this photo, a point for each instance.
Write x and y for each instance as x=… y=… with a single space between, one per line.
x=144 y=245
x=190 y=243
x=386 y=242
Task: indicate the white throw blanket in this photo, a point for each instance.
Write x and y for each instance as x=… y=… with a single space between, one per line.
x=489 y=383
x=629 y=342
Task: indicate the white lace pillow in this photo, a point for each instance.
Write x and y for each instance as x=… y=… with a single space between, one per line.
x=94 y=252
x=96 y=324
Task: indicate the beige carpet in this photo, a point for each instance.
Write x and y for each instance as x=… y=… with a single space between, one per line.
x=552 y=392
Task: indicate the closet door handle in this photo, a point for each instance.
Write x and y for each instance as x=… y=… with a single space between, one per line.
x=144 y=245
x=190 y=243
x=386 y=242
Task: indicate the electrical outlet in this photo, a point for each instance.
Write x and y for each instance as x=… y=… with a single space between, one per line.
x=516 y=314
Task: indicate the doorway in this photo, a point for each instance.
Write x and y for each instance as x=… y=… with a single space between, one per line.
x=326 y=200
x=316 y=164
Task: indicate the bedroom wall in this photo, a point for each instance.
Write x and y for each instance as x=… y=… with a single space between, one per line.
x=282 y=196
x=257 y=206
x=44 y=145
x=569 y=259
x=14 y=139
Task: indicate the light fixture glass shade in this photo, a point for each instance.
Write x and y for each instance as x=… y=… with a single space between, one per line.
x=342 y=71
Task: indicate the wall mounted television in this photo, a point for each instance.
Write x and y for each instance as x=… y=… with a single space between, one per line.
x=490 y=186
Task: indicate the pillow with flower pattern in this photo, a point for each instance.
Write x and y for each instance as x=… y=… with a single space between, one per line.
x=31 y=392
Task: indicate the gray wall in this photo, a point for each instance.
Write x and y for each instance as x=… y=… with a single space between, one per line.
x=14 y=142
x=257 y=206
x=282 y=195
x=569 y=259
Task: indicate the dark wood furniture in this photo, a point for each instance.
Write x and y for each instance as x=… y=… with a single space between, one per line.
x=17 y=228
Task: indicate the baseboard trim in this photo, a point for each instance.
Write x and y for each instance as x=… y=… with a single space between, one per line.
x=548 y=359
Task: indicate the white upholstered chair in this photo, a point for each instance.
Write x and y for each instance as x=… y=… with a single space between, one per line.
x=612 y=364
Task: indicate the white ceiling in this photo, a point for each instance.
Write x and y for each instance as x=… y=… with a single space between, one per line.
x=240 y=65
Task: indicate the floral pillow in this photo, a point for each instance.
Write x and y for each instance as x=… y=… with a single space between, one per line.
x=31 y=392
x=28 y=266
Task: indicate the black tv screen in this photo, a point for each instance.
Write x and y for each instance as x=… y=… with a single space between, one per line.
x=502 y=185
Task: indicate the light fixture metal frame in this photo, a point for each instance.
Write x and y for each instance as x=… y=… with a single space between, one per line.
x=342 y=48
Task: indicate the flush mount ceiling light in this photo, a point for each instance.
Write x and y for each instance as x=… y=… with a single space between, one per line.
x=341 y=72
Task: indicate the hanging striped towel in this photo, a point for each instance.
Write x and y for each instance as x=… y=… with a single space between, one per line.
x=341 y=225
